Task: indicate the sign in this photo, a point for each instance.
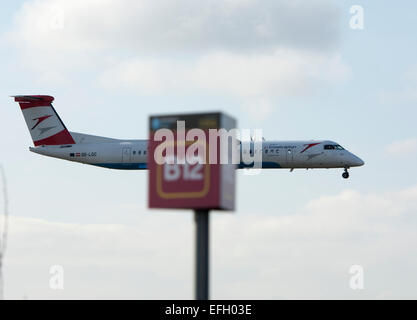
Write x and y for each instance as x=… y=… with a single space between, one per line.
x=186 y=164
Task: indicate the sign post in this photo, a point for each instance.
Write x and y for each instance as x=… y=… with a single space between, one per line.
x=191 y=166
x=202 y=223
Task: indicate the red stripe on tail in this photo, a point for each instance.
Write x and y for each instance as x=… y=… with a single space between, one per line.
x=26 y=102
x=63 y=137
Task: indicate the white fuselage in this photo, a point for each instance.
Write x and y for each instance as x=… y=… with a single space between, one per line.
x=51 y=138
x=133 y=154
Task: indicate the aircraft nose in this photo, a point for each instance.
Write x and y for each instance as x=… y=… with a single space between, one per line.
x=356 y=161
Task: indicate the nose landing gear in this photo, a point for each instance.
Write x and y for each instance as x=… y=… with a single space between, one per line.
x=345 y=174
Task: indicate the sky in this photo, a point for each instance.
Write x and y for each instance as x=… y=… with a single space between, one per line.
x=295 y=69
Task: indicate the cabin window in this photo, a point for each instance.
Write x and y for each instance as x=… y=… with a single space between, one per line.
x=139 y=152
x=144 y=152
x=134 y=152
x=266 y=150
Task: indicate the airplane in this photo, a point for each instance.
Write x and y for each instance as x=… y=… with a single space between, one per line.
x=51 y=138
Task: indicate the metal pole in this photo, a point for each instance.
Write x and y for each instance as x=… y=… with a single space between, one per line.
x=201 y=217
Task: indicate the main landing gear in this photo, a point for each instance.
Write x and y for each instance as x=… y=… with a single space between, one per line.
x=345 y=174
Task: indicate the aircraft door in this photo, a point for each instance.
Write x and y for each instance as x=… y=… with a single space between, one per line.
x=126 y=154
x=290 y=155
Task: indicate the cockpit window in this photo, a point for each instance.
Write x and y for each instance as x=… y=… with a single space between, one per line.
x=333 y=147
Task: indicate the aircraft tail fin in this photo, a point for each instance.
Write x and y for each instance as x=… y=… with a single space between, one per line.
x=44 y=123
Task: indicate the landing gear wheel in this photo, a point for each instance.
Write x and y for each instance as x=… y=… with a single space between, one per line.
x=345 y=174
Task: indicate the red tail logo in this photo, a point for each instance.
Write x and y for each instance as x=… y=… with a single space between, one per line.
x=40 y=119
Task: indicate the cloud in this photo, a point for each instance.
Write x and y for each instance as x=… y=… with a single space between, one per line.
x=184 y=25
x=255 y=79
x=285 y=72
x=304 y=254
x=250 y=50
x=403 y=147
